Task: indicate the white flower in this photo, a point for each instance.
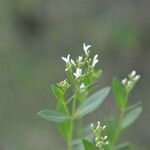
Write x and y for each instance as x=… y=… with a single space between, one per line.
x=66 y=59
x=133 y=73
x=95 y=61
x=124 y=81
x=85 y=48
x=78 y=73
x=137 y=77
x=82 y=86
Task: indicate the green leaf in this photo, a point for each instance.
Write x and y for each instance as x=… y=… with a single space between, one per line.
x=63 y=126
x=58 y=93
x=131 y=117
x=92 y=102
x=124 y=146
x=133 y=106
x=120 y=94
x=53 y=116
x=88 y=145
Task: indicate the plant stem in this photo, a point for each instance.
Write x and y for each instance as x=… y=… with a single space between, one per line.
x=70 y=135
x=120 y=122
x=72 y=119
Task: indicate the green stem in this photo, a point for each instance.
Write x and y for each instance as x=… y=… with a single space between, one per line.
x=72 y=120
x=122 y=114
x=70 y=135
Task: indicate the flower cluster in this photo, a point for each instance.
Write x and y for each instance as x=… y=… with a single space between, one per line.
x=82 y=68
x=100 y=140
x=64 y=85
x=80 y=61
x=130 y=82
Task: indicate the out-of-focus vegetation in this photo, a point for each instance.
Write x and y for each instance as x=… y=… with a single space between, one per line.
x=35 y=34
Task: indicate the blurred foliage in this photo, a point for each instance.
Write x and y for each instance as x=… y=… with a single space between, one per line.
x=35 y=34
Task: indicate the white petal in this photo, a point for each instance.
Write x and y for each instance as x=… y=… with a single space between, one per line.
x=95 y=57
x=64 y=59
x=94 y=62
x=86 y=47
x=68 y=57
x=78 y=73
x=73 y=62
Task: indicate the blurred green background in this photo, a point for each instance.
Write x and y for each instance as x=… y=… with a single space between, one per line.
x=34 y=34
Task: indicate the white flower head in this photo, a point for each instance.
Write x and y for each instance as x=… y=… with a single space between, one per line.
x=95 y=61
x=86 y=48
x=78 y=73
x=133 y=73
x=66 y=59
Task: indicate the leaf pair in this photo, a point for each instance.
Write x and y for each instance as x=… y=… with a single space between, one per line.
x=88 y=106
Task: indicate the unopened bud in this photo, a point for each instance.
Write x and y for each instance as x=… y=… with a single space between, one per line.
x=129 y=83
x=124 y=81
x=133 y=73
x=137 y=77
x=92 y=126
x=104 y=127
x=106 y=142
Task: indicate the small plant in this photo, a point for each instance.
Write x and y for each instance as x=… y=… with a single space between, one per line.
x=75 y=99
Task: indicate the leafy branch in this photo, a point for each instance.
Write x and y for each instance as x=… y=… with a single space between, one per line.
x=74 y=101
